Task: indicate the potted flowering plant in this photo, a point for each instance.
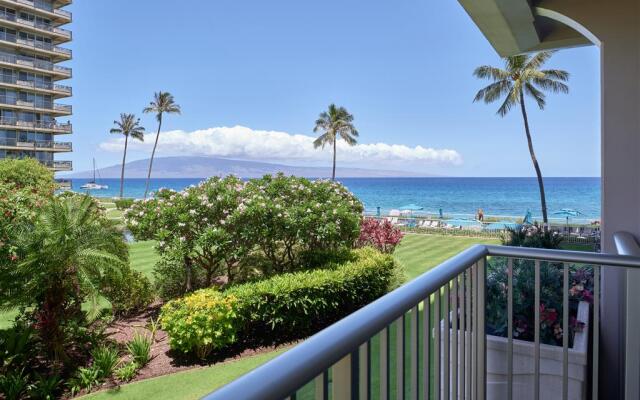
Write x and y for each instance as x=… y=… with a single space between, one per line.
x=551 y=324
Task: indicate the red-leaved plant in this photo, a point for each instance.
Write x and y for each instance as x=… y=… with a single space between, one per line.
x=379 y=234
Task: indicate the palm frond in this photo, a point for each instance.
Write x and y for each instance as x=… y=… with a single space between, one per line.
x=489 y=72
x=534 y=93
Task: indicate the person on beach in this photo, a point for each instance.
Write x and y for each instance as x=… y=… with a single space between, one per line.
x=480 y=215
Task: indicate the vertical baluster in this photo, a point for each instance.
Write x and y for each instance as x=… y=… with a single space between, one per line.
x=321 y=386
x=565 y=332
x=454 y=345
x=482 y=337
x=536 y=304
x=426 y=356
x=341 y=388
x=400 y=383
x=510 y=328
x=469 y=368
x=463 y=331
x=438 y=353
x=384 y=364
x=596 y=331
x=446 y=331
x=365 y=371
x=414 y=353
x=474 y=333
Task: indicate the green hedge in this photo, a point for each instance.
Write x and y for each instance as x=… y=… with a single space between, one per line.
x=298 y=304
x=123 y=204
x=294 y=305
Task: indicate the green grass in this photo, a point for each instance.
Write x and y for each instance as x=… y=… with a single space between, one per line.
x=191 y=384
x=419 y=253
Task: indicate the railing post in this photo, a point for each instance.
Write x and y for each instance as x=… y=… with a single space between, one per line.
x=341 y=388
x=481 y=380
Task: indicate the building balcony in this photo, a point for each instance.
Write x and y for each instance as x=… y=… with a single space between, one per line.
x=428 y=338
x=59 y=165
x=33 y=65
x=63 y=184
x=47 y=49
x=57 y=91
x=58 y=16
x=59 y=35
x=36 y=145
x=39 y=126
x=44 y=107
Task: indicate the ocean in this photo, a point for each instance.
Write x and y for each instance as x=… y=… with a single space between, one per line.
x=458 y=197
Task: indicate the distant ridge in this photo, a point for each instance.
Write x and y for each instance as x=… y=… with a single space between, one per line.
x=203 y=167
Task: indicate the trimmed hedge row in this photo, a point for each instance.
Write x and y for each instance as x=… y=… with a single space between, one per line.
x=287 y=306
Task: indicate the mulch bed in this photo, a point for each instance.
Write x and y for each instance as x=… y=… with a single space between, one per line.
x=163 y=360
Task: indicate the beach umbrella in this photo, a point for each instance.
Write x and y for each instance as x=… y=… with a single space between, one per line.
x=527 y=218
x=568 y=213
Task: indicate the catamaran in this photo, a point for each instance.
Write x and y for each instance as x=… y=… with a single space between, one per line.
x=93 y=185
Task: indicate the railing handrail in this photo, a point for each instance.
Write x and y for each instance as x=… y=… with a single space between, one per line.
x=286 y=373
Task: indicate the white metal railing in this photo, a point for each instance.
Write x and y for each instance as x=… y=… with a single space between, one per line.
x=12 y=101
x=24 y=61
x=49 y=125
x=36 y=144
x=440 y=344
x=13 y=80
x=35 y=24
x=35 y=44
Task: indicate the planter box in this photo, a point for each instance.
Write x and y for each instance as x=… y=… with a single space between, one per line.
x=550 y=366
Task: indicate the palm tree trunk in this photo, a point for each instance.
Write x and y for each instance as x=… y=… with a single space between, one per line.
x=153 y=153
x=124 y=160
x=333 y=174
x=543 y=200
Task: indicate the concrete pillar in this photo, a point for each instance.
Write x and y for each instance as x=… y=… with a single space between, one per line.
x=614 y=25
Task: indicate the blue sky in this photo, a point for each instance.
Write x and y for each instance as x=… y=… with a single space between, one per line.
x=403 y=68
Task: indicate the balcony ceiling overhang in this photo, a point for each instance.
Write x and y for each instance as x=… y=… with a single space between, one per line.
x=521 y=26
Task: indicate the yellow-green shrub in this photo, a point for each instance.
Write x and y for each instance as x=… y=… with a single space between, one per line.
x=200 y=322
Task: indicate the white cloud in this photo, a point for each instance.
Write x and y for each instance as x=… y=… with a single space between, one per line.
x=245 y=143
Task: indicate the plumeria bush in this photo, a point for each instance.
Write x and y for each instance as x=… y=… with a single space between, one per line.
x=532 y=236
x=232 y=230
x=380 y=234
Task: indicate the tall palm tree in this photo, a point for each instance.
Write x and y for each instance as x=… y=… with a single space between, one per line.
x=162 y=103
x=66 y=253
x=128 y=125
x=522 y=76
x=335 y=123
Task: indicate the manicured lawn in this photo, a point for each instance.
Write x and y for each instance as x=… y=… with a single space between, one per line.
x=419 y=253
x=191 y=384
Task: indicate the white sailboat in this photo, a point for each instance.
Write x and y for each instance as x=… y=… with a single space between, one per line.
x=93 y=185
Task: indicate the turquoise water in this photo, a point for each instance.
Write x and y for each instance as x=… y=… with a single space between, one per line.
x=458 y=197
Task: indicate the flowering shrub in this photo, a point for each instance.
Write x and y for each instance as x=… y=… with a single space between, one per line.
x=227 y=227
x=551 y=286
x=379 y=234
x=200 y=322
x=293 y=221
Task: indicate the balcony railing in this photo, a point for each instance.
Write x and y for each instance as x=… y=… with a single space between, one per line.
x=34 y=63
x=36 y=144
x=13 y=80
x=440 y=345
x=59 y=165
x=50 y=125
x=63 y=108
x=35 y=24
x=45 y=6
x=35 y=44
